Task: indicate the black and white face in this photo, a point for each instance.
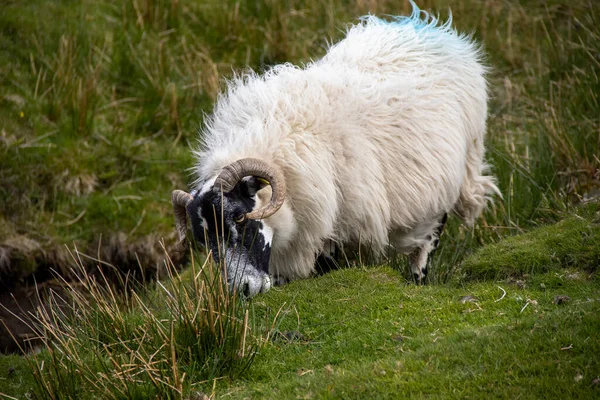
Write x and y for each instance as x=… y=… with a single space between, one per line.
x=242 y=246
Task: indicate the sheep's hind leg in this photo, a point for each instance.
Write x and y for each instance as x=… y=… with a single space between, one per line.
x=327 y=261
x=420 y=259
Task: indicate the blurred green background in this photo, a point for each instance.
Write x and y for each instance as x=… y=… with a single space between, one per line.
x=101 y=102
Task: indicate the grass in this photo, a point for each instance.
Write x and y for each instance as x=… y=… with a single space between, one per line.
x=365 y=333
x=98 y=112
x=353 y=333
x=100 y=102
x=99 y=342
x=571 y=242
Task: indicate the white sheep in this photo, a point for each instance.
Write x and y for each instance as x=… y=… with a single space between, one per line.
x=374 y=143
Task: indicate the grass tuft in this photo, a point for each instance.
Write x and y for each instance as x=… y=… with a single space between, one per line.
x=164 y=343
x=572 y=242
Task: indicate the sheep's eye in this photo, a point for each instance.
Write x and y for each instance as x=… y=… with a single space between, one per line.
x=240 y=219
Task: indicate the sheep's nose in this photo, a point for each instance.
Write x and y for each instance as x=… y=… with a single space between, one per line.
x=250 y=285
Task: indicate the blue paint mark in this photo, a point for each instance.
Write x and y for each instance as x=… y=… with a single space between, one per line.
x=419 y=19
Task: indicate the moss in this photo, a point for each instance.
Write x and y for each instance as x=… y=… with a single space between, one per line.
x=15 y=376
x=572 y=242
x=359 y=333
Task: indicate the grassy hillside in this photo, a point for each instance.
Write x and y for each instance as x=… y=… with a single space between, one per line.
x=100 y=102
x=353 y=333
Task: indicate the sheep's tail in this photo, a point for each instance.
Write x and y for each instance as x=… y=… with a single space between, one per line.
x=477 y=190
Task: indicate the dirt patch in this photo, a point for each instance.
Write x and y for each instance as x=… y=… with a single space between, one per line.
x=27 y=273
x=18 y=305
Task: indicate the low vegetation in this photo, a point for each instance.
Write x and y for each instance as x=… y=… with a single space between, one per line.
x=368 y=333
x=571 y=242
x=100 y=102
x=99 y=112
x=353 y=333
x=99 y=343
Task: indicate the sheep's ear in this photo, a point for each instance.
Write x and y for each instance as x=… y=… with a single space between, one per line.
x=254 y=184
x=194 y=211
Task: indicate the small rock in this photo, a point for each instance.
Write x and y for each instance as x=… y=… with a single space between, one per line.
x=289 y=336
x=578 y=377
x=561 y=299
x=573 y=276
x=329 y=369
x=294 y=335
x=467 y=299
x=398 y=338
x=596 y=382
x=542 y=286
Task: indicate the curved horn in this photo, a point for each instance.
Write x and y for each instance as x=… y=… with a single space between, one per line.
x=234 y=172
x=180 y=200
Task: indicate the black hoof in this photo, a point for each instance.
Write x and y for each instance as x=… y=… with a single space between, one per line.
x=417 y=279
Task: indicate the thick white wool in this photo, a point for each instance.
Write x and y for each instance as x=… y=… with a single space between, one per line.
x=380 y=137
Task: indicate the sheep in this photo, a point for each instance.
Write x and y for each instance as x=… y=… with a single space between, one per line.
x=374 y=143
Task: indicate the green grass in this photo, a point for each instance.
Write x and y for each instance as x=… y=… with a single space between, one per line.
x=161 y=343
x=100 y=102
x=368 y=332
x=502 y=327
x=571 y=242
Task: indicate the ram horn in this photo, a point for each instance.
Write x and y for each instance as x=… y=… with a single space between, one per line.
x=234 y=172
x=180 y=200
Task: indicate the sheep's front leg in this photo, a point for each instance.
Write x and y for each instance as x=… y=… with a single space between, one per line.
x=420 y=259
x=279 y=280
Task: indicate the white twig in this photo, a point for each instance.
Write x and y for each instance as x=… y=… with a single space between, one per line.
x=503 y=294
x=525 y=306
